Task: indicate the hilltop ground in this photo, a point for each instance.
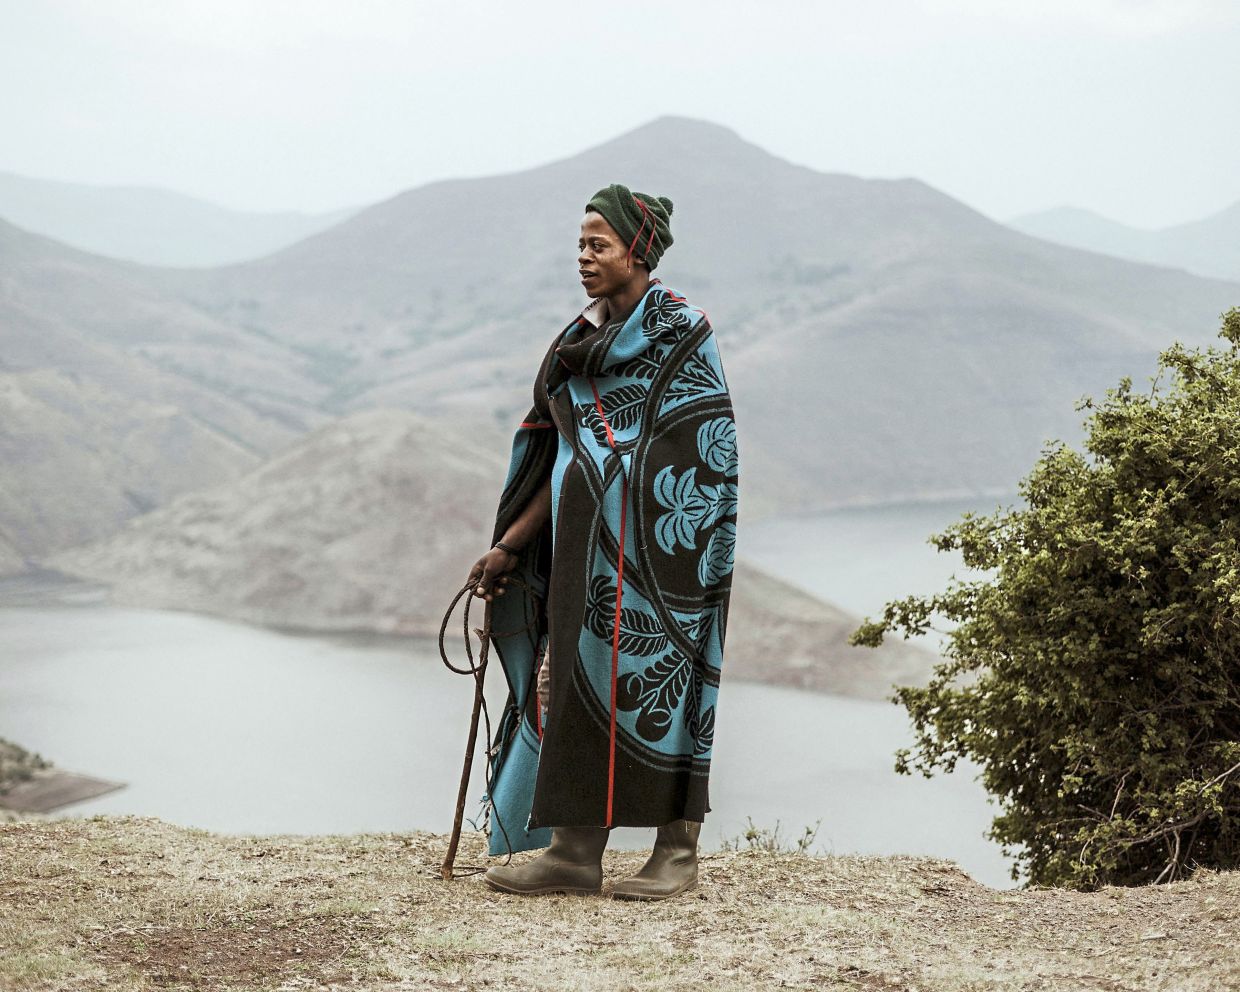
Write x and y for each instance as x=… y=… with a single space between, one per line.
x=127 y=903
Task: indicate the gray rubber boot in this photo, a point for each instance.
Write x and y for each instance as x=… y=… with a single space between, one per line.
x=573 y=863
x=672 y=867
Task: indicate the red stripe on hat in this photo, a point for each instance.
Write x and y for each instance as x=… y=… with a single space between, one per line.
x=646 y=216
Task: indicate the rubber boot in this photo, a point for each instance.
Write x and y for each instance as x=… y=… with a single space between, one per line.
x=672 y=867
x=573 y=863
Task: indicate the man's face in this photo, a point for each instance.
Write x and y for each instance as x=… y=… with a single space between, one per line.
x=601 y=258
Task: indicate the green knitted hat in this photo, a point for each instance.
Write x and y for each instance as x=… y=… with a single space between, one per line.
x=639 y=218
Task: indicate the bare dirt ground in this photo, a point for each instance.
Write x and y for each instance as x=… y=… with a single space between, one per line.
x=128 y=903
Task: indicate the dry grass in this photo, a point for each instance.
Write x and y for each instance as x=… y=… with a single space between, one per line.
x=127 y=903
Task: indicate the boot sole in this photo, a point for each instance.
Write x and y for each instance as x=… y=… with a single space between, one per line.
x=566 y=890
x=649 y=897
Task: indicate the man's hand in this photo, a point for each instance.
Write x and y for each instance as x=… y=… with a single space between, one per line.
x=487 y=576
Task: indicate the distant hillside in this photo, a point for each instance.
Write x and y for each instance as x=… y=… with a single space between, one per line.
x=152 y=226
x=883 y=341
x=1208 y=247
x=925 y=349
x=373 y=522
x=367 y=523
x=115 y=396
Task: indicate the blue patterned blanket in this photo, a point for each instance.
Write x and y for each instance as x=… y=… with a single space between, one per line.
x=631 y=578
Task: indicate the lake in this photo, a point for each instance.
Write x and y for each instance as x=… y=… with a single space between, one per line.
x=236 y=728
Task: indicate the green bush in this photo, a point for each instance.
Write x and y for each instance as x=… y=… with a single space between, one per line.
x=1093 y=674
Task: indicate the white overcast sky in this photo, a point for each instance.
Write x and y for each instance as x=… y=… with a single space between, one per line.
x=1127 y=107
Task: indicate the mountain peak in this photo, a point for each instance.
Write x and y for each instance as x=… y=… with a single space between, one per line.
x=675 y=124
x=674 y=133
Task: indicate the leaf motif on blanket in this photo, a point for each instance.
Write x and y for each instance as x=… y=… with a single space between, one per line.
x=587 y=416
x=689 y=509
x=698 y=629
x=716 y=440
x=696 y=377
x=693 y=700
x=655 y=693
x=641 y=633
x=659 y=690
x=718 y=558
x=722 y=500
x=624 y=404
x=645 y=366
x=703 y=731
x=664 y=315
x=692 y=508
x=623 y=407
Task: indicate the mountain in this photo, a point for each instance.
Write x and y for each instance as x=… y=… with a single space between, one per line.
x=153 y=226
x=115 y=397
x=1208 y=247
x=883 y=340
x=59 y=299
x=372 y=523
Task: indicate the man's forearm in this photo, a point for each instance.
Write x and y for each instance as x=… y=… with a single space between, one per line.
x=536 y=513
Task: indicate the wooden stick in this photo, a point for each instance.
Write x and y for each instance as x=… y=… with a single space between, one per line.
x=484 y=634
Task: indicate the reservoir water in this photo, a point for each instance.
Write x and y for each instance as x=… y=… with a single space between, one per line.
x=236 y=728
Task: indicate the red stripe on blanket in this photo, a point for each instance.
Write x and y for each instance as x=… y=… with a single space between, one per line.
x=615 y=654
x=526 y=423
x=598 y=403
x=680 y=299
x=615 y=635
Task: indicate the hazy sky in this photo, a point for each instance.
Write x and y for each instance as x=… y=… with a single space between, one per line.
x=1127 y=107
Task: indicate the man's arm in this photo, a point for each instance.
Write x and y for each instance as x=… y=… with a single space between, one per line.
x=536 y=513
x=491 y=566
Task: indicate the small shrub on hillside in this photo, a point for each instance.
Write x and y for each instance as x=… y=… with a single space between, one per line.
x=766 y=839
x=17 y=765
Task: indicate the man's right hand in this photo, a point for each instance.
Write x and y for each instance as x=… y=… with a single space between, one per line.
x=487 y=576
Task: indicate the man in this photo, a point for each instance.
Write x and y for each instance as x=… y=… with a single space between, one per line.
x=619 y=516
